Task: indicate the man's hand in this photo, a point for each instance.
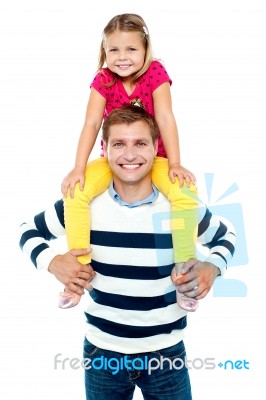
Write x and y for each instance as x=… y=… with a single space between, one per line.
x=196 y=278
x=68 y=270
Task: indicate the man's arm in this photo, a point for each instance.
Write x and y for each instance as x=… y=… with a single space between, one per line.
x=34 y=238
x=34 y=234
x=218 y=237
x=198 y=276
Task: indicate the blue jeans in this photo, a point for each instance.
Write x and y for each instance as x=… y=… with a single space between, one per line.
x=161 y=375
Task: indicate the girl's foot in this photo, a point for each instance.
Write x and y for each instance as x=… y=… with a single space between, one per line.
x=68 y=300
x=187 y=303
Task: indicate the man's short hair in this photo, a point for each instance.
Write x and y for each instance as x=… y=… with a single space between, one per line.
x=129 y=114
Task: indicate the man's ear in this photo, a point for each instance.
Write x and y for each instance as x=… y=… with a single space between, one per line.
x=156 y=148
x=105 y=149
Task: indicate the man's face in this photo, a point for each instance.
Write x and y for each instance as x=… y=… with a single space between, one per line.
x=130 y=152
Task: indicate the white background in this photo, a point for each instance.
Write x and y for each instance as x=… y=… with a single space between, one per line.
x=214 y=51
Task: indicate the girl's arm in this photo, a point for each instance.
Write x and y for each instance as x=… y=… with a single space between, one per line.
x=169 y=133
x=88 y=136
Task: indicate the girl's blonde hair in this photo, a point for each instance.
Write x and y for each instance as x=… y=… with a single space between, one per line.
x=127 y=23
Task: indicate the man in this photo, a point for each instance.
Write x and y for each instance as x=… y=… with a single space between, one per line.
x=133 y=321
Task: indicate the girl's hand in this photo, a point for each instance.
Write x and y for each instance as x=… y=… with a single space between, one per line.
x=69 y=182
x=176 y=170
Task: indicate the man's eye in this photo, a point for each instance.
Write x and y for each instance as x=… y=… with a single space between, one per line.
x=118 y=144
x=141 y=144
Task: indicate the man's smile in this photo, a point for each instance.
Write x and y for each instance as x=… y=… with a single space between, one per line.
x=130 y=166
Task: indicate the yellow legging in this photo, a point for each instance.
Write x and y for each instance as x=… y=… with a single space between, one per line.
x=97 y=179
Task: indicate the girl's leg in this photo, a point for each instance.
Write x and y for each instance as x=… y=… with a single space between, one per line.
x=77 y=210
x=184 y=220
x=77 y=214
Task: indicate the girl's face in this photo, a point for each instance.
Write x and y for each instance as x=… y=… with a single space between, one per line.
x=125 y=53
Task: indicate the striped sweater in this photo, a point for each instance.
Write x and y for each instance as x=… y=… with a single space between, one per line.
x=132 y=307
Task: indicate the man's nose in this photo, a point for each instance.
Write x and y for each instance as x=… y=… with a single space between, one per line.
x=130 y=153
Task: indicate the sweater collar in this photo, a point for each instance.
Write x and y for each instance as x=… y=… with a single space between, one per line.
x=150 y=199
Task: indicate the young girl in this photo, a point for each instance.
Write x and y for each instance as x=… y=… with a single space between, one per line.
x=132 y=76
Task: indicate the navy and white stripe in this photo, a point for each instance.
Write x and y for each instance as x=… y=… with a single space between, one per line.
x=218 y=238
x=35 y=234
x=133 y=305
